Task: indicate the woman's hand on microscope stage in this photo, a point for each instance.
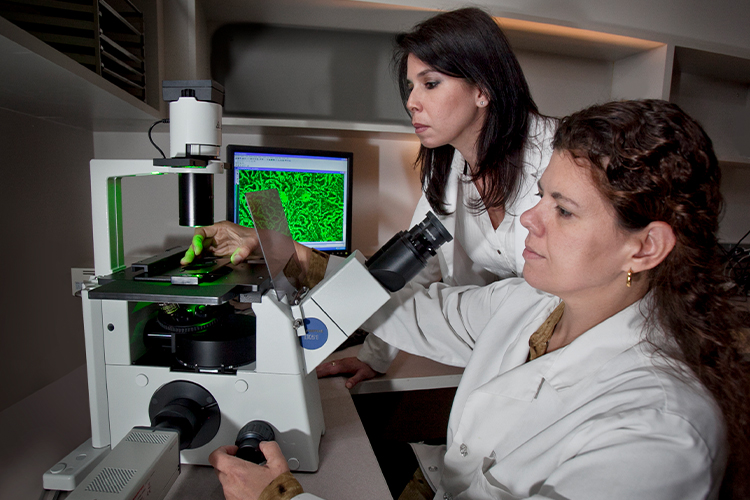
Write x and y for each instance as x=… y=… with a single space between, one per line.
x=359 y=370
x=222 y=239
x=242 y=480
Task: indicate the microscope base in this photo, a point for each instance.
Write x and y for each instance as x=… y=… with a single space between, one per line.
x=67 y=474
x=144 y=465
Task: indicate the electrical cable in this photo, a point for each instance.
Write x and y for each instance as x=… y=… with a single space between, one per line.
x=165 y=120
x=55 y=495
x=738 y=243
x=737 y=266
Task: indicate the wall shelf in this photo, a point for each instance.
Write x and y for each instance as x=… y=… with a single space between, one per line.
x=715 y=89
x=253 y=125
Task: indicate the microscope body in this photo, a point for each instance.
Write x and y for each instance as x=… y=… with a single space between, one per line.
x=279 y=386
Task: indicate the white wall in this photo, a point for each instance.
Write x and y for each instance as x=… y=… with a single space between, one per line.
x=185 y=44
x=46 y=207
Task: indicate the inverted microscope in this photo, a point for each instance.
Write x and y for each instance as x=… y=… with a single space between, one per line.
x=184 y=359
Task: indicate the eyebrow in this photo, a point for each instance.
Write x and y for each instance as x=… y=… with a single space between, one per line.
x=423 y=73
x=558 y=196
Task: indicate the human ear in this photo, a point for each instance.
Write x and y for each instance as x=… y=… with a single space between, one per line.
x=481 y=98
x=655 y=242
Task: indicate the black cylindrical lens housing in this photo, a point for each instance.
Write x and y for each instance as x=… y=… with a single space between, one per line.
x=406 y=254
x=196 y=199
x=249 y=439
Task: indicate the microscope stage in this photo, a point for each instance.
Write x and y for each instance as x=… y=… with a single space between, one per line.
x=246 y=280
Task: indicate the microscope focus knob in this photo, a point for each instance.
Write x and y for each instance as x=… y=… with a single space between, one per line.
x=249 y=438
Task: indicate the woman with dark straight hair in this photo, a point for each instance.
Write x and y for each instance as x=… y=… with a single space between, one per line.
x=469 y=45
x=483 y=147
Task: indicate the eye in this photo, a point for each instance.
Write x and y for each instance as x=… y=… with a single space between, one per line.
x=431 y=85
x=563 y=213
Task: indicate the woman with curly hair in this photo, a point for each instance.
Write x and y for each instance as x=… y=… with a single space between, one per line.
x=616 y=368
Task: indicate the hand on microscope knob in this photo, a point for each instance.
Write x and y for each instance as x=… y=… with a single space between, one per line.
x=243 y=480
x=222 y=239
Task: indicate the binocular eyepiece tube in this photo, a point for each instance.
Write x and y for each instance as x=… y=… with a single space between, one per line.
x=406 y=254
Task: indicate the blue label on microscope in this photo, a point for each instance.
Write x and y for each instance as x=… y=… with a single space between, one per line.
x=316 y=334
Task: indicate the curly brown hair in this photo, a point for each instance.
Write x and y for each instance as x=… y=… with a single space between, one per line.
x=653 y=162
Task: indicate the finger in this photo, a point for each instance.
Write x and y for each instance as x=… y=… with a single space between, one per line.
x=326 y=370
x=339 y=367
x=207 y=231
x=195 y=248
x=216 y=456
x=240 y=254
x=358 y=377
x=275 y=459
x=188 y=257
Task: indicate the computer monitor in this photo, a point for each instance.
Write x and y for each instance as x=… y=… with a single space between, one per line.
x=315 y=187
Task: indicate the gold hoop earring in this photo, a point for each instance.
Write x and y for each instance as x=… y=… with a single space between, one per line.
x=629 y=280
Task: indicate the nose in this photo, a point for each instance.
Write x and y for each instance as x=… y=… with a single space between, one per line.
x=531 y=220
x=413 y=103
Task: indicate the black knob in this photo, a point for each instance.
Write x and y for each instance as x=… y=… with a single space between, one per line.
x=249 y=438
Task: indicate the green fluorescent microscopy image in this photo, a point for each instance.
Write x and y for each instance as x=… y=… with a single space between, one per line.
x=313 y=202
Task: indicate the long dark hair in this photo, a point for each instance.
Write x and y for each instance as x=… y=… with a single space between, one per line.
x=655 y=163
x=468 y=43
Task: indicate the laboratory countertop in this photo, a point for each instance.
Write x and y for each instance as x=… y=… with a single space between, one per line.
x=406 y=373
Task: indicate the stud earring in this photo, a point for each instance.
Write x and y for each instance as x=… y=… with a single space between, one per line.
x=481 y=103
x=629 y=279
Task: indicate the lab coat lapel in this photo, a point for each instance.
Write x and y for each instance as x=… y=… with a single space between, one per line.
x=446 y=255
x=508 y=404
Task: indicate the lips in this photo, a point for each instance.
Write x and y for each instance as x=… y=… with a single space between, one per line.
x=419 y=127
x=528 y=254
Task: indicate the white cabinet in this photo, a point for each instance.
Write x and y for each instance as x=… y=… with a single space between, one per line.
x=715 y=89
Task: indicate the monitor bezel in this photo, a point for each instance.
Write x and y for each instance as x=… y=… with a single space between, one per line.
x=231 y=149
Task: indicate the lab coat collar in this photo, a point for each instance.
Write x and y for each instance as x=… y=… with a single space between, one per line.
x=597 y=347
x=564 y=367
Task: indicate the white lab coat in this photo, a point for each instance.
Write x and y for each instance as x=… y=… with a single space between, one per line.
x=601 y=418
x=478 y=254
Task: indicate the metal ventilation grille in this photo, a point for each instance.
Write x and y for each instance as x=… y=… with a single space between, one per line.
x=111 y=480
x=147 y=437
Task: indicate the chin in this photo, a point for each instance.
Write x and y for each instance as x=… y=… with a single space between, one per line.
x=533 y=278
x=430 y=143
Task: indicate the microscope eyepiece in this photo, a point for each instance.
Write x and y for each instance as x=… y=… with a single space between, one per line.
x=406 y=254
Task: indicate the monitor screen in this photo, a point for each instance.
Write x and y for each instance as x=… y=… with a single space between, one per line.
x=314 y=186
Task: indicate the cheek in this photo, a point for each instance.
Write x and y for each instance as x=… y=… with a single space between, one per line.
x=597 y=256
